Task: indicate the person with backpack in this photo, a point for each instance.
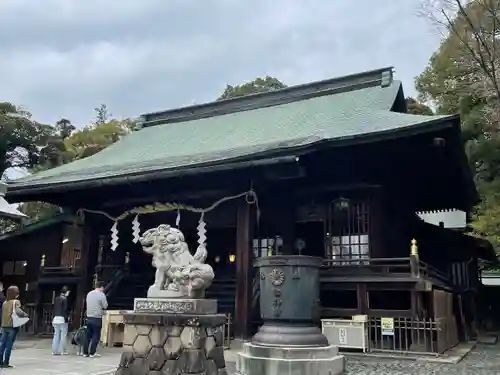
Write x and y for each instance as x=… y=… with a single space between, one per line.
x=60 y=322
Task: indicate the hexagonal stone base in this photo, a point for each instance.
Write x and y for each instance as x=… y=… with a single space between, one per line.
x=174 y=344
x=268 y=360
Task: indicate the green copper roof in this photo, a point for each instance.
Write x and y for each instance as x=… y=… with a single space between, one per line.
x=341 y=109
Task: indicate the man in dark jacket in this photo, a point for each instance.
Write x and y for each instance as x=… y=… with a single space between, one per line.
x=60 y=323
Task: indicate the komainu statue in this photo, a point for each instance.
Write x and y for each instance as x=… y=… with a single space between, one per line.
x=178 y=273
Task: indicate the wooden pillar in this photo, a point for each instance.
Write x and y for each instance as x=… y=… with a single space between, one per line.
x=83 y=288
x=242 y=321
x=362 y=299
x=284 y=222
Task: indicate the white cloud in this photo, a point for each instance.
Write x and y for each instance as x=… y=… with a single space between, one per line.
x=62 y=58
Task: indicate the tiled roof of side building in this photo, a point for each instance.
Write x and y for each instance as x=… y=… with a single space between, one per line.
x=338 y=110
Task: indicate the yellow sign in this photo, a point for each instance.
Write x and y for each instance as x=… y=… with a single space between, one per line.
x=387 y=325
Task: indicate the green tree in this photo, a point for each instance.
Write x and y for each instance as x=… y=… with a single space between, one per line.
x=417 y=108
x=256 y=86
x=463 y=77
x=55 y=153
x=94 y=138
x=21 y=138
x=68 y=144
x=102 y=115
x=8 y=225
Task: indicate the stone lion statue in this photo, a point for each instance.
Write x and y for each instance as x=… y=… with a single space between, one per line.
x=178 y=273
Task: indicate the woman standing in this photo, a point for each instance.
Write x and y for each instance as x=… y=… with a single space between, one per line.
x=10 y=332
x=60 y=323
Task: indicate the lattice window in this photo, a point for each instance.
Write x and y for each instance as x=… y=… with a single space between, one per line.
x=263 y=247
x=14 y=268
x=348 y=236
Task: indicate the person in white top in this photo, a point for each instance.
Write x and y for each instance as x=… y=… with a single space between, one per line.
x=60 y=323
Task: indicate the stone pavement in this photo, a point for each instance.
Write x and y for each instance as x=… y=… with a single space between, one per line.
x=34 y=361
x=32 y=357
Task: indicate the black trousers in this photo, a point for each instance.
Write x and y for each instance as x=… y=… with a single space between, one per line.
x=94 y=326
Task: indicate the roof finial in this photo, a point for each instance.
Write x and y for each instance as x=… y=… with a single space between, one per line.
x=387 y=78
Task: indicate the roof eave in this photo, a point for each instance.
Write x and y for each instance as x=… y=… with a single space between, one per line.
x=39 y=225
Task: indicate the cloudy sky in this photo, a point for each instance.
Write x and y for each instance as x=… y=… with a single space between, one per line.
x=62 y=58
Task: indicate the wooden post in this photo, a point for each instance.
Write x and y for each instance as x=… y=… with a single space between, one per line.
x=38 y=318
x=362 y=293
x=243 y=312
x=414 y=259
x=82 y=287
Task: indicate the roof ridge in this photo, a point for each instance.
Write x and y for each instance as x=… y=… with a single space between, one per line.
x=382 y=77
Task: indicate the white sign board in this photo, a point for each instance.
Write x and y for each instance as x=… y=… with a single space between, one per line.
x=342 y=336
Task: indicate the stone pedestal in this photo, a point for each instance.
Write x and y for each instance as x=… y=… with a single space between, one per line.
x=160 y=341
x=266 y=360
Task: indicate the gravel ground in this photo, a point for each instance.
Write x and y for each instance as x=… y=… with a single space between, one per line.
x=483 y=360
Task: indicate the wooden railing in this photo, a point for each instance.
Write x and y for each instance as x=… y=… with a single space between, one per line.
x=409 y=266
x=367 y=266
x=429 y=271
x=59 y=271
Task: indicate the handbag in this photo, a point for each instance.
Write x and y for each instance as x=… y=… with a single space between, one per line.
x=18 y=321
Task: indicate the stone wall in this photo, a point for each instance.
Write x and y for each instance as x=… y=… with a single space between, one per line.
x=173 y=345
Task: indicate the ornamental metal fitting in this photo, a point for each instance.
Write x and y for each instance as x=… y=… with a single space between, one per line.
x=277 y=277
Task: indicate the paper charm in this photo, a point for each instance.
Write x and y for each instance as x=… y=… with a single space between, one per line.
x=178 y=219
x=136 y=229
x=114 y=236
x=202 y=238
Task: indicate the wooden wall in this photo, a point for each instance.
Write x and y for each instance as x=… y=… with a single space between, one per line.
x=29 y=248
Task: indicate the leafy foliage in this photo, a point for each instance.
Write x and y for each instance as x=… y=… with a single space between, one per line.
x=256 y=86
x=22 y=139
x=41 y=147
x=94 y=138
x=102 y=115
x=463 y=77
x=417 y=108
x=7 y=225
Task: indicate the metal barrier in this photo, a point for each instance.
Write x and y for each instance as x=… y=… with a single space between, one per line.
x=40 y=324
x=30 y=327
x=409 y=336
x=226 y=332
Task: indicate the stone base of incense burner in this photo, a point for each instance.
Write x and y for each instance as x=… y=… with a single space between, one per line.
x=269 y=360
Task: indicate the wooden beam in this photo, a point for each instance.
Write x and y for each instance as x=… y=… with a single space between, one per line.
x=243 y=271
x=177 y=198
